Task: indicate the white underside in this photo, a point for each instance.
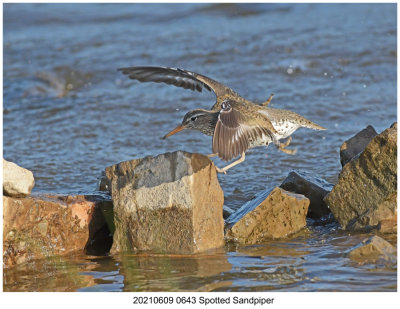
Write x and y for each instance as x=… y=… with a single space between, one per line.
x=284 y=129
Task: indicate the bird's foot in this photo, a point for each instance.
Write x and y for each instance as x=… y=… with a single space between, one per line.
x=220 y=170
x=289 y=151
x=287 y=143
x=282 y=147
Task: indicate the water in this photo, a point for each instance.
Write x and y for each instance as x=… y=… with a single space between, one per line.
x=311 y=261
x=67 y=114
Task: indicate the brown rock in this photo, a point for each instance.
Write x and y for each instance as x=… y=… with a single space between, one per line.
x=373 y=249
x=313 y=188
x=271 y=214
x=17 y=181
x=388 y=225
x=367 y=187
x=356 y=144
x=47 y=225
x=384 y=213
x=168 y=203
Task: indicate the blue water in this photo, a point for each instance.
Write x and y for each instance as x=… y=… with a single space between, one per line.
x=68 y=113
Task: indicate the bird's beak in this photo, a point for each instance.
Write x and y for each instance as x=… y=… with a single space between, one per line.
x=176 y=130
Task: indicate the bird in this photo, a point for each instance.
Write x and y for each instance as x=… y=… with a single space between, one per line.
x=235 y=123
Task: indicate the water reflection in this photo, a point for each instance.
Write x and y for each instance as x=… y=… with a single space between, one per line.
x=171 y=272
x=311 y=261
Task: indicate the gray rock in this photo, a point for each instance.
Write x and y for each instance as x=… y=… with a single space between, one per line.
x=356 y=144
x=271 y=214
x=227 y=212
x=314 y=188
x=170 y=203
x=373 y=249
x=367 y=188
x=17 y=181
x=103 y=183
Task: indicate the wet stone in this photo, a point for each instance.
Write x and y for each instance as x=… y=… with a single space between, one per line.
x=49 y=225
x=366 y=192
x=373 y=249
x=312 y=187
x=271 y=214
x=356 y=144
x=17 y=181
x=388 y=225
x=171 y=203
x=103 y=183
x=227 y=212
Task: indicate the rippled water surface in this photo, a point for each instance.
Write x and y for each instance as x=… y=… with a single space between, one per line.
x=67 y=114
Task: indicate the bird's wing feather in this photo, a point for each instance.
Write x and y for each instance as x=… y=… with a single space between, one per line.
x=178 y=78
x=232 y=135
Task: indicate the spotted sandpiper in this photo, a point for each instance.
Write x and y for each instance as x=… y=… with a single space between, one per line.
x=236 y=124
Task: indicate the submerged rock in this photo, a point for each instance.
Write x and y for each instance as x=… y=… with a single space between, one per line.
x=168 y=203
x=356 y=144
x=366 y=192
x=47 y=225
x=373 y=249
x=271 y=214
x=17 y=181
x=314 y=188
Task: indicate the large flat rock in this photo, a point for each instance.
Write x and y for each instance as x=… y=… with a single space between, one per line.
x=48 y=225
x=171 y=203
x=366 y=192
x=271 y=214
x=17 y=181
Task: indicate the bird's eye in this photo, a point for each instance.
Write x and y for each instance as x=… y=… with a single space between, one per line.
x=193 y=118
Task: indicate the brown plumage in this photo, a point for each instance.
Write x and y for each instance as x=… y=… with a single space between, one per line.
x=235 y=123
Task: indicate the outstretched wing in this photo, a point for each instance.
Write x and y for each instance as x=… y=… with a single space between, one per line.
x=233 y=134
x=178 y=78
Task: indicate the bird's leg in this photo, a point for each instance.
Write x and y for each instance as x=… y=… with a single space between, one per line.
x=266 y=103
x=288 y=141
x=224 y=169
x=212 y=155
x=282 y=146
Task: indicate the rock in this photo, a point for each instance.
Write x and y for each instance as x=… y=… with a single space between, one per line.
x=313 y=188
x=384 y=213
x=171 y=203
x=367 y=187
x=48 y=225
x=103 y=183
x=227 y=212
x=388 y=225
x=271 y=214
x=356 y=144
x=17 y=181
x=373 y=249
